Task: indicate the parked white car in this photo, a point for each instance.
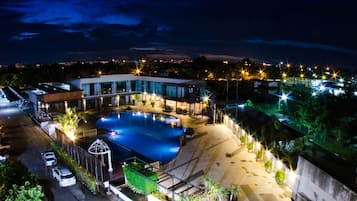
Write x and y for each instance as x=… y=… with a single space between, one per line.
x=64 y=176
x=49 y=158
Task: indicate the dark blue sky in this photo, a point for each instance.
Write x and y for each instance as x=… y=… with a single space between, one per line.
x=305 y=31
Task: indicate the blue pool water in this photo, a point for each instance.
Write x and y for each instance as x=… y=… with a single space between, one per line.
x=154 y=136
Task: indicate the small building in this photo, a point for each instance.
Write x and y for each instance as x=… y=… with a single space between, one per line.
x=52 y=98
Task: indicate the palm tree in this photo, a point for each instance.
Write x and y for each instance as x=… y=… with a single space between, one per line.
x=234 y=192
x=184 y=197
x=69 y=121
x=207 y=183
x=213 y=190
x=221 y=192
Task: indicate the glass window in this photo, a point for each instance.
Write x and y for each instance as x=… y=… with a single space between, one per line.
x=106 y=88
x=171 y=91
x=121 y=86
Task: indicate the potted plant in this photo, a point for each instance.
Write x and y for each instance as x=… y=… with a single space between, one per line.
x=153 y=102
x=268 y=166
x=250 y=146
x=144 y=102
x=259 y=154
x=243 y=139
x=280 y=176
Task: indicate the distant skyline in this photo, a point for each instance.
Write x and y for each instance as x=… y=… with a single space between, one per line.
x=310 y=32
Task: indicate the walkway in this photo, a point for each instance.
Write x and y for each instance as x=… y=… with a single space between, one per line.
x=208 y=153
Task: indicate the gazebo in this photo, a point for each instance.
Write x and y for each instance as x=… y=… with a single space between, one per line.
x=99 y=147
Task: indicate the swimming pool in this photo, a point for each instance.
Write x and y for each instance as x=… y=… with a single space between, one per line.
x=154 y=136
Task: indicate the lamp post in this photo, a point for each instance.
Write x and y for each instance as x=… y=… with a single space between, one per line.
x=283 y=97
x=204 y=103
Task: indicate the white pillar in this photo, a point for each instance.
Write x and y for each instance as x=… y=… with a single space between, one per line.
x=110 y=169
x=84 y=104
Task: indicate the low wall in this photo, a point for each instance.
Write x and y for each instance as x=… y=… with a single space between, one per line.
x=117 y=192
x=315 y=184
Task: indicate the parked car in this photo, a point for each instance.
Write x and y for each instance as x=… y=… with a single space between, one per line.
x=64 y=176
x=3 y=155
x=49 y=158
x=4 y=152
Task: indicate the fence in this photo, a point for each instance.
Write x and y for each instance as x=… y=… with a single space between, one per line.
x=91 y=163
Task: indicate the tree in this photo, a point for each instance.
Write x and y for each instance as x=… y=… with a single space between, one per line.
x=70 y=120
x=26 y=192
x=13 y=172
x=10 y=80
x=312 y=115
x=213 y=190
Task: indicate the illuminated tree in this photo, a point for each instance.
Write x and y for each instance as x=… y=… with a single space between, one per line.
x=70 y=120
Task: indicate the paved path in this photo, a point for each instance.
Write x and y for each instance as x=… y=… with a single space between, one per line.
x=209 y=153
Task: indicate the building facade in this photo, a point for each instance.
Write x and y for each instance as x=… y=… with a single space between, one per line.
x=114 y=90
x=177 y=95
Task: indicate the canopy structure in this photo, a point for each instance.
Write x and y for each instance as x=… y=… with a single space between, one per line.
x=99 y=147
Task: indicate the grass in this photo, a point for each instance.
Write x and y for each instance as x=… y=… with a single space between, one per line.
x=342 y=150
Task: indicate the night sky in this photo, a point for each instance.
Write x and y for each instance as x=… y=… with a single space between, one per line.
x=305 y=31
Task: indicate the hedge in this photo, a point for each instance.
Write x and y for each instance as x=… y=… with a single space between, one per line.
x=87 y=178
x=139 y=179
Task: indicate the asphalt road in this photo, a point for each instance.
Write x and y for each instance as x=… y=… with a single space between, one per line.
x=27 y=141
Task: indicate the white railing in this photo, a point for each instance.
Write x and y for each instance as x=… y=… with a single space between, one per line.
x=117 y=192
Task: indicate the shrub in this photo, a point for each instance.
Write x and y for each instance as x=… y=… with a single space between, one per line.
x=268 y=165
x=153 y=102
x=243 y=139
x=280 y=176
x=139 y=179
x=259 y=154
x=250 y=146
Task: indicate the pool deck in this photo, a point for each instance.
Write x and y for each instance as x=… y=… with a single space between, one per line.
x=205 y=154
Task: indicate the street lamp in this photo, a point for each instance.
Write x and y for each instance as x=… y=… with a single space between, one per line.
x=137 y=71
x=204 y=103
x=283 y=97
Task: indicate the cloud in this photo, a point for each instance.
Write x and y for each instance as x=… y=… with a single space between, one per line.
x=301 y=44
x=144 y=49
x=58 y=12
x=24 y=36
x=118 y=19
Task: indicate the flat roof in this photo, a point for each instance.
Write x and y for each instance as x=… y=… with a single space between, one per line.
x=117 y=77
x=52 y=88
